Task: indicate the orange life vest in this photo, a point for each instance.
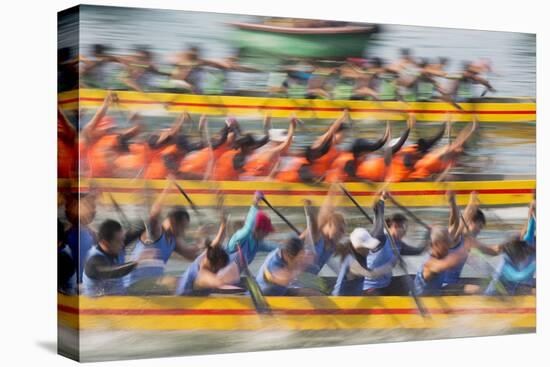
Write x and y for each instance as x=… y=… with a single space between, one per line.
x=99 y=155
x=429 y=165
x=66 y=159
x=156 y=166
x=224 y=169
x=321 y=165
x=259 y=165
x=130 y=163
x=291 y=172
x=197 y=162
x=372 y=169
x=337 y=171
x=399 y=170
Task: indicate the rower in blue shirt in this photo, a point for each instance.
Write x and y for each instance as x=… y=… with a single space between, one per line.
x=515 y=270
x=105 y=266
x=163 y=237
x=251 y=236
x=212 y=269
x=282 y=267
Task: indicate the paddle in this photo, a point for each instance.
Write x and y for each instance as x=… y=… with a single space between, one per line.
x=419 y=304
x=409 y=213
x=348 y=194
x=280 y=215
x=258 y=298
x=191 y=203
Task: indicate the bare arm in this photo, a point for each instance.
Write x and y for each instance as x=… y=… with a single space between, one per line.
x=89 y=129
x=327 y=136
x=454 y=217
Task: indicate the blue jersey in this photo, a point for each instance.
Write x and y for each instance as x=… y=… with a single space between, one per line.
x=322 y=255
x=80 y=240
x=427 y=287
x=164 y=247
x=376 y=259
x=347 y=284
x=452 y=276
x=510 y=276
x=187 y=280
x=103 y=287
x=530 y=233
x=273 y=263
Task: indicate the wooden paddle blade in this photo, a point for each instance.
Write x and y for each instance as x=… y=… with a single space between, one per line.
x=258 y=298
x=312 y=281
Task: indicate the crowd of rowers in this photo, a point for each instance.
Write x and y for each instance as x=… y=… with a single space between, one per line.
x=116 y=257
x=103 y=150
x=372 y=78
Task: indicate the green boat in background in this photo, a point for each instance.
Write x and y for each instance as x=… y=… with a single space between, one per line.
x=303 y=39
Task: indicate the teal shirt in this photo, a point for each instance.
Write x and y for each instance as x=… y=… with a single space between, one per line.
x=244 y=237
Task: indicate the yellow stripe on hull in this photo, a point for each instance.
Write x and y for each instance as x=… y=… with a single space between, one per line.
x=237 y=313
x=302 y=108
x=240 y=193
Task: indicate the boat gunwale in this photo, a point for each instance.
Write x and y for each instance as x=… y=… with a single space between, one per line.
x=344 y=30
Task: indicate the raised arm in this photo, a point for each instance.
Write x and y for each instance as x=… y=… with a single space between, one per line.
x=89 y=130
x=454 y=217
x=334 y=127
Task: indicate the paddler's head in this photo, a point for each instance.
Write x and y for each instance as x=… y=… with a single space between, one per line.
x=517 y=250
x=99 y=50
x=332 y=226
x=80 y=209
x=178 y=221
x=293 y=251
x=362 y=241
x=263 y=226
x=397 y=224
x=216 y=258
x=405 y=54
x=245 y=143
x=441 y=242
x=110 y=237
x=476 y=222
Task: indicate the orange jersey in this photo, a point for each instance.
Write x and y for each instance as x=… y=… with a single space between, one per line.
x=321 y=165
x=338 y=170
x=100 y=154
x=130 y=163
x=259 y=165
x=373 y=169
x=156 y=167
x=66 y=159
x=399 y=169
x=224 y=169
x=428 y=165
x=197 y=162
x=291 y=172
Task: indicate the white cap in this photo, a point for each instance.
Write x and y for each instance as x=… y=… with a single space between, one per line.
x=361 y=238
x=277 y=135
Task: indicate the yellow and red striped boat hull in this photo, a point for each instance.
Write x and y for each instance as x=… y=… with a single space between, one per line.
x=295 y=313
x=521 y=110
x=240 y=193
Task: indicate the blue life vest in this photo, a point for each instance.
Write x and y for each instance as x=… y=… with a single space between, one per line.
x=80 y=240
x=376 y=259
x=273 y=262
x=452 y=276
x=427 y=287
x=347 y=284
x=165 y=246
x=511 y=276
x=103 y=287
x=187 y=281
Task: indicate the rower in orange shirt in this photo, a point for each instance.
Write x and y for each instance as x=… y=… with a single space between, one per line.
x=197 y=165
x=444 y=158
x=66 y=147
x=264 y=162
x=344 y=168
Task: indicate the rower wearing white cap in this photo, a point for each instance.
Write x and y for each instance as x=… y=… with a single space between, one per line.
x=368 y=268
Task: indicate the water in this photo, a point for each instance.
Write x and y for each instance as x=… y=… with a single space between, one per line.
x=166 y=32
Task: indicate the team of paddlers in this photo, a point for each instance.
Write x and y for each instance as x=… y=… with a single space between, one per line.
x=130 y=258
x=103 y=150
